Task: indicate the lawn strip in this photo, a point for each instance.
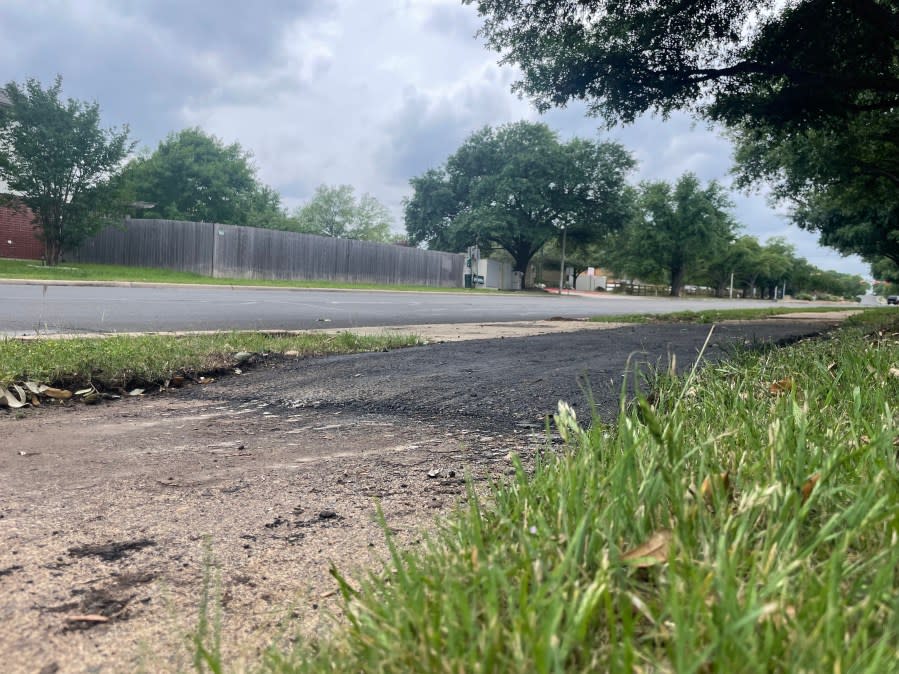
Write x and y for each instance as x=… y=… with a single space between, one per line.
x=716 y=315
x=31 y=270
x=745 y=520
x=117 y=362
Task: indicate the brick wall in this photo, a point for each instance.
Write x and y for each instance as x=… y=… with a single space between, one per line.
x=17 y=238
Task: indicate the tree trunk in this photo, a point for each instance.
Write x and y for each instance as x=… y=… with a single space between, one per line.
x=677 y=280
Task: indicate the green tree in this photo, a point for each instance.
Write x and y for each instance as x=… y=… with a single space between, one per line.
x=778 y=62
x=737 y=263
x=516 y=187
x=335 y=211
x=194 y=176
x=775 y=265
x=59 y=162
x=677 y=233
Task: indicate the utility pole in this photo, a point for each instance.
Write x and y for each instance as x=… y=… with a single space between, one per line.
x=731 y=285
x=562 y=268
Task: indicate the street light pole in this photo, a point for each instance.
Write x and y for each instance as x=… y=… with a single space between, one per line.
x=562 y=269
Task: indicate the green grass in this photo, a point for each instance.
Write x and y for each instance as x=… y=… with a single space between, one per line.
x=29 y=269
x=715 y=315
x=121 y=361
x=776 y=572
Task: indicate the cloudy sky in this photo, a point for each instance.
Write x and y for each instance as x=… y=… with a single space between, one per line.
x=362 y=92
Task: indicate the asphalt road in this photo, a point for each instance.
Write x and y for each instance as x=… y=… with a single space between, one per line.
x=31 y=308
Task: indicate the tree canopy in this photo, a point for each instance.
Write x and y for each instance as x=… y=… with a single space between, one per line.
x=769 y=61
x=194 y=176
x=677 y=231
x=335 y=211
x=517 y=187
x=59 y=163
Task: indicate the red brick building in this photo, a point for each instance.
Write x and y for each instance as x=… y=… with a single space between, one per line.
x=17 y=236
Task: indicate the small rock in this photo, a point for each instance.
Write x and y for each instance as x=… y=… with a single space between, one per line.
x=434 y=473
x=327 y=515
x=242 y=356
x=452 y=473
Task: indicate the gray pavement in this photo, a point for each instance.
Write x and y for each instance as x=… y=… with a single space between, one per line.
x=29 y=308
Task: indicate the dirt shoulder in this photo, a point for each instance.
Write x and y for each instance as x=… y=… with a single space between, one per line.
x=107 y=512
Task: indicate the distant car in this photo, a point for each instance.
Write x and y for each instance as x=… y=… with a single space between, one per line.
x=893 y=299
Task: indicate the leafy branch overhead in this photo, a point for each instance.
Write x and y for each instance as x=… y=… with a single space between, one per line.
x=772 y=62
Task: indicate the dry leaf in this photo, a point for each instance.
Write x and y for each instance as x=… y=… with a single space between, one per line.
x=809 y=486
x=136 y=392
x=34 y=387
x=653 y=551
x=57 y=393
x=713 y=482
x=20 y=392
x=84 y=391
x=7 y=399
x=781 y=386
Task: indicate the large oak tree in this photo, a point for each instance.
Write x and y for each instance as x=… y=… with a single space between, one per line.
x=517 y=187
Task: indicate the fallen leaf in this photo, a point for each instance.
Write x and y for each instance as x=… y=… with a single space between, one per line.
x=57 y=393
x=291 y=354
x=809 y=486
x=781 y=386
x=714 y=482
x=20 y=392
x=34 y=387
x=653 y=551
x=177 y=381
x=136 y=392
x=84 y=391
x=7 y=399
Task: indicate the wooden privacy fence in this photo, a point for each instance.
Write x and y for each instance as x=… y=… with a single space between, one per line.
x=231 y=251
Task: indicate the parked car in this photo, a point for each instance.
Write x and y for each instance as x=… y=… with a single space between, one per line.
x=893 y=299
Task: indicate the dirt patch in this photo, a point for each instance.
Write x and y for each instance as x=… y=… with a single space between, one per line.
x=108 y=512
